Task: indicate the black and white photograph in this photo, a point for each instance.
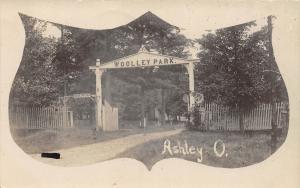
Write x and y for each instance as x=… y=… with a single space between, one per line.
x=147 y=91
x=150 y=85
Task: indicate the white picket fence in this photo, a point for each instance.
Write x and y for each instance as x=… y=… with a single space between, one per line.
x=218 y=117
x=39 y=117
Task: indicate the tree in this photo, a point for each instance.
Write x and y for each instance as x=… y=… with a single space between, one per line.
x=155 y=35
x=70 y=54
x=233 y=61
x=35 y=81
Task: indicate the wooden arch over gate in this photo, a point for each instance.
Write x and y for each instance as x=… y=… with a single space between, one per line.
x=142 y=58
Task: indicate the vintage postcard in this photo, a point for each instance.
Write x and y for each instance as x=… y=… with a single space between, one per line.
x=151 y=94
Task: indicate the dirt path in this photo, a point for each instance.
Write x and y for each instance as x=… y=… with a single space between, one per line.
x=102 y=151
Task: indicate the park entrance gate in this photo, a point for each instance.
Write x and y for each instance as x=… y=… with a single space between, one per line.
x=142 y=58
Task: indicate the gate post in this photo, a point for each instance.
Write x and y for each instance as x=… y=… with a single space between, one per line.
x=98 y=72
x=190 y=70
x=191 y=84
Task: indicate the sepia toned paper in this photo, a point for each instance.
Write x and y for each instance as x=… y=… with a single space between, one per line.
x=281 y=169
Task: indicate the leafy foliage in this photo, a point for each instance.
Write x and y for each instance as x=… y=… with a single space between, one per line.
x=61 y=64
x=36 y=81
x=233 y=64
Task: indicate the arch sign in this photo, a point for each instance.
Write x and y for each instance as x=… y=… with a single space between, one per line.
x=144 y=59
x=141 y=59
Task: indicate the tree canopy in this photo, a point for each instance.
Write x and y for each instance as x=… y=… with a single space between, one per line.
x=233 y=66
x=70 y=55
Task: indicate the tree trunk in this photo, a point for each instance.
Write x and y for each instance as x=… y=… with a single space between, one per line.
x=274 y=113
x=241 y=120
x=274 y=128
x=142 y=95
x=163 y=108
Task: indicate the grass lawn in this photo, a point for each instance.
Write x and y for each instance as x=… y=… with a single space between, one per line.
x=240 y=150
x=43 y=140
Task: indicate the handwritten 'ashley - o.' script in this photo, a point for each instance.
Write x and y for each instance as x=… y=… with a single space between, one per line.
x=186 y=149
